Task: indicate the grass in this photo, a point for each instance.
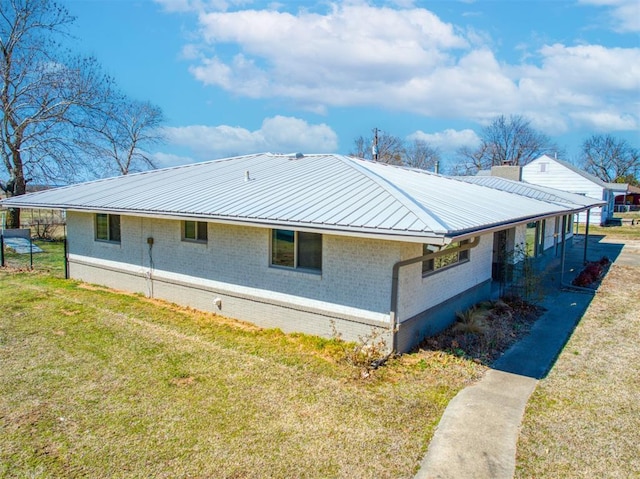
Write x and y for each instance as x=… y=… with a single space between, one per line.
x=626 y=231
x=50 y=261
x=583 y=419
x=99 y=384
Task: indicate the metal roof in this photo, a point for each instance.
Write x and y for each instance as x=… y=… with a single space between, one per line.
x=542 y=193
x=323 y=192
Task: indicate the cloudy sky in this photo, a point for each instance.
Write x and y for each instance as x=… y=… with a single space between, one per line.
x=241 y=76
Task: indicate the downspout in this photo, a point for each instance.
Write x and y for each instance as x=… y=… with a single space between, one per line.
x=393 y=310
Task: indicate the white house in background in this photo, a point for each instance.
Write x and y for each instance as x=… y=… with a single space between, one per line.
x=561 y=175
x=304 y=242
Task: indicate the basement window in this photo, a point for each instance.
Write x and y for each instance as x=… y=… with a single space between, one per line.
x=296 y=249
x=445 y=261
x=194 y=231
x=108 y=227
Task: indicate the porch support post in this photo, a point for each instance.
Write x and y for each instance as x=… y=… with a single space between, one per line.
x=562 y=249
x=586 y=237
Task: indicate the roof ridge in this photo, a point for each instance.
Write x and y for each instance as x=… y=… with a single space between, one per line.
x=428 y=218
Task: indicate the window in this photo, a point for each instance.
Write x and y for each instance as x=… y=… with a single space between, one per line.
x=108 y=227
x=296 y=249
x=194 y=231
x=535 y=237
x=444 y=261
x=543 y=167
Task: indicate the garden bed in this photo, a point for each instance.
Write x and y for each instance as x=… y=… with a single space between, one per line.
x=487 y=330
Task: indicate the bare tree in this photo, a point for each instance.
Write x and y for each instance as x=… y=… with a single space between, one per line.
x=362 y=148
x=421 y=155
x=42 y=89
x=505 y=140
x=610 y=159
x=117 y=136
x=389 y=149
x=61 y=117
x=393 y=150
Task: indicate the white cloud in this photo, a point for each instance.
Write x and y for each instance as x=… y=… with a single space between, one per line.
x=407 y=59
x=604 y=121
x=624 y=14
x=163 y=160
x=586 y=81
x=348 y=56
x=278 y=134
x=449 y=140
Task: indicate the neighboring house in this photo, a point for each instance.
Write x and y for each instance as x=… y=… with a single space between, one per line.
x=561 y=175
x=629 y=200
x=541 y=235
x=304 y=243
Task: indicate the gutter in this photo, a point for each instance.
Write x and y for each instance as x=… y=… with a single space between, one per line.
x=393 y=310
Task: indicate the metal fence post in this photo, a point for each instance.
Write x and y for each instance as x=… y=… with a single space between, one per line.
x=2 y=250
x=66 y=259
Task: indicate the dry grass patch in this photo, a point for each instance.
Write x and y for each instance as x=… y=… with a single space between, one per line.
x=583 y=421
x=98 y=384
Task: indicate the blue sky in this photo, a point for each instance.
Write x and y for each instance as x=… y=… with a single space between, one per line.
x=240 y=76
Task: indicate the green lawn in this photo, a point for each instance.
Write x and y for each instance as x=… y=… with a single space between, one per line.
x=99 y=384
x=626 y=231
x=50 y=261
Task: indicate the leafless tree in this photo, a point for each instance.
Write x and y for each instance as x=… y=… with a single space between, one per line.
x=42 y=88
x=505 y=140
x=389 y=148
x=61 y=117
x=393 y=150
x=610 y=159
x=421 y=155
x=118 y=135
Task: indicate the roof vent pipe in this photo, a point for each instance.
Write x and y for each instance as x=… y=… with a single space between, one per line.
x=246 y=176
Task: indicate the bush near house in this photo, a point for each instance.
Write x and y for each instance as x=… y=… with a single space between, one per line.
x=591 y=273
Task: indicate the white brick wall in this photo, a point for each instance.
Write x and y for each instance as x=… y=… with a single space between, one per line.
x=353 y=290
x=418 y=294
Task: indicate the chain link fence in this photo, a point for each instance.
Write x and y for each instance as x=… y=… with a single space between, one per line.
x=39 y=245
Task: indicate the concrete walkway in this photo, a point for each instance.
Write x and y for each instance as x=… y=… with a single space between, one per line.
x=478 y=432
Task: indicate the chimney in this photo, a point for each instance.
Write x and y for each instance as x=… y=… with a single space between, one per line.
x=507 y=171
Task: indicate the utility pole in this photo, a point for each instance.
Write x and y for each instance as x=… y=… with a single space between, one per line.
x=374 y=148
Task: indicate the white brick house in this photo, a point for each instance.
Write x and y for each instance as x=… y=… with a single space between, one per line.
x=301 y=243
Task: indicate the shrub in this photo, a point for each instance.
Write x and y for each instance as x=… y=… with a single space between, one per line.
x=591 y=273
x=473 y=320
x=365 y=355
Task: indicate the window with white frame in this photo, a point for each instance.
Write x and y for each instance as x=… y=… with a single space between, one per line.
x=194 y=231
x=445 y=261
x=108 y=227
x=296 y=249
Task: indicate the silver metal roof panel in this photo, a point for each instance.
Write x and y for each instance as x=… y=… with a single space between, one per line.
x=321 y=192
